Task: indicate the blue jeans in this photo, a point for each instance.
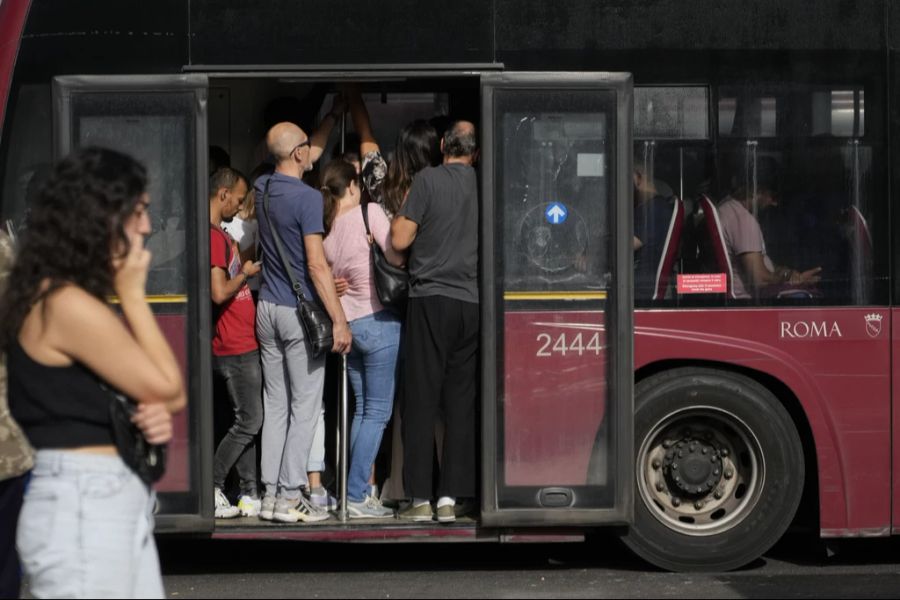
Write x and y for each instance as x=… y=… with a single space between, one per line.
x=372 y=366
x=243 y=380
x=86 y=529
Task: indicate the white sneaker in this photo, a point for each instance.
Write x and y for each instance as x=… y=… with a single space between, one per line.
x=370 y=508
x=267 y=508
x=292 y=511
x=320 y=498
x=224 y=509
x=249 y=506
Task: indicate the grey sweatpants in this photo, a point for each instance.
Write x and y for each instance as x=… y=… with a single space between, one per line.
x=293 y=382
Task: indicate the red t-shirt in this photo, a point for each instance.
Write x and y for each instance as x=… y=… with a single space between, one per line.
x=236 y=325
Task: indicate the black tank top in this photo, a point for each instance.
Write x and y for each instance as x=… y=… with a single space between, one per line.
x=57 y=407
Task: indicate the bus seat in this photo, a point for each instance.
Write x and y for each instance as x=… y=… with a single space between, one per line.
x=712 y=229
x=670 y=251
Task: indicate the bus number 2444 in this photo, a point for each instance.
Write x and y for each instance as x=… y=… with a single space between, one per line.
x=565 y=345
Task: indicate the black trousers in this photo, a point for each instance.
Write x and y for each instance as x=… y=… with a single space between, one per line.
x=11 y=492
x=440 y=379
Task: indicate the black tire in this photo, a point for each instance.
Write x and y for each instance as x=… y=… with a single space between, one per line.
x=742 y=501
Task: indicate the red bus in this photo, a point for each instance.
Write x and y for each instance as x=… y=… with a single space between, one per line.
x=754 y=407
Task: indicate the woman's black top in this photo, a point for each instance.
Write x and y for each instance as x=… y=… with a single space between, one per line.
x=57 y=407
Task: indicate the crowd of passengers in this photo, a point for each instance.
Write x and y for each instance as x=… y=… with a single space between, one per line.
x=422 y=209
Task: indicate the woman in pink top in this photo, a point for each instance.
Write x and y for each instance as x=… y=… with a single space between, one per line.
x=372 y=360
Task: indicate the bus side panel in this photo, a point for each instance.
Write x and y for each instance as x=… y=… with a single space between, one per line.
x=554 y=395
x=178 y=467
x=895 y=429
x=340 y=32
x=110 y=37
x=542 y=32
x=837 y=363
x=12 y=21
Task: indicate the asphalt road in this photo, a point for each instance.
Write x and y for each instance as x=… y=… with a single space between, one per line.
x=799 y=567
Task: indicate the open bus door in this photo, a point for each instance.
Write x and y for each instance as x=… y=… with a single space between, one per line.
x=556 y=289
x=161 y=120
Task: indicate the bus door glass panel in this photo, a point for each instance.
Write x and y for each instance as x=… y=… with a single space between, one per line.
x=555 y=159
x=162 y=124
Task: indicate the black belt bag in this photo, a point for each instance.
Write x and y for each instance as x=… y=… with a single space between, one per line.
x=148 y=461
x=316 y=323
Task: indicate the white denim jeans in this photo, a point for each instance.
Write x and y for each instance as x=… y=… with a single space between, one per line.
x=86 y=529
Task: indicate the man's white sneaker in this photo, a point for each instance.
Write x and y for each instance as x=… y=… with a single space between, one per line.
x=249 y=506
x=224 y=509
x=267 y=510
x=292 y=511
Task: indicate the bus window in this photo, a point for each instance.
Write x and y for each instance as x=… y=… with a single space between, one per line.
x=671 y=165
x=796 y=199
x=671 y=113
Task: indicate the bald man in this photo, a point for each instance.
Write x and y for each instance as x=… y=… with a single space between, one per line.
x=293 y=378
x=438 y=224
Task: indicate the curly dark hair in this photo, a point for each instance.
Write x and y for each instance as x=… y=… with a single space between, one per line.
x=71 y=231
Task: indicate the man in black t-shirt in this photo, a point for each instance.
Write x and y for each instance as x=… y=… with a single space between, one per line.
x=438 y=223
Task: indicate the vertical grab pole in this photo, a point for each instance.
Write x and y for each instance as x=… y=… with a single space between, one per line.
x=345 y=439
x=338 y=438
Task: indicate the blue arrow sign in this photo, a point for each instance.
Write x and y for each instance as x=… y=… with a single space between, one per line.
x=556 y=213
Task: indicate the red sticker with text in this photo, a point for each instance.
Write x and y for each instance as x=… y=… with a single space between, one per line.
x=703 y=283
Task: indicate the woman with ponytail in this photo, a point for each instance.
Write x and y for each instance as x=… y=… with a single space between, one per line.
x=372 y=361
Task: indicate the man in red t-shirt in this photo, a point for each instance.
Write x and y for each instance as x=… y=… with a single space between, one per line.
x=234 y=347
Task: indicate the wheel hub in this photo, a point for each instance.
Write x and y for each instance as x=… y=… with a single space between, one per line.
x=693 y=466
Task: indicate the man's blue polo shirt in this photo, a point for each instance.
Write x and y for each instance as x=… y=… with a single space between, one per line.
x=296 y=210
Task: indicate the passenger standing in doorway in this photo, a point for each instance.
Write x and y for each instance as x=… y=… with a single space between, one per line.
x=376 y=330
x=293 y=378
x=234 y=348
x=244 y=230
x=417 y=147
x=438 y=224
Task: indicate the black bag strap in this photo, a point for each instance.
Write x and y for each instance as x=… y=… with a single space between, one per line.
x=298 y=289
x=213 y=228
x=364 y=205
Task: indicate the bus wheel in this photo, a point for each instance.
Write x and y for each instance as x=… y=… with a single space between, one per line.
x=719 y=470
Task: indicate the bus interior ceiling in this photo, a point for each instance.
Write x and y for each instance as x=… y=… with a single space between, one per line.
x=241 y=109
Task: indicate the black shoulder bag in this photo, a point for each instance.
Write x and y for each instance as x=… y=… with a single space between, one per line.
x=315 y=321
x=391 y=283
x=148 y=461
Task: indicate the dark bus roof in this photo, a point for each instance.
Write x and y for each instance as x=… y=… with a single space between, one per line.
x=116 y=36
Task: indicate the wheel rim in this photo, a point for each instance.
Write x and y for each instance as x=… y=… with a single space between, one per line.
x=700 y=471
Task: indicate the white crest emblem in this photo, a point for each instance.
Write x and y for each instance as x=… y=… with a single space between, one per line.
x=873 y=324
